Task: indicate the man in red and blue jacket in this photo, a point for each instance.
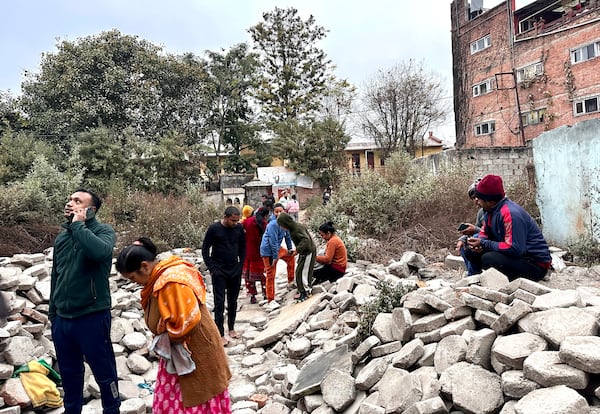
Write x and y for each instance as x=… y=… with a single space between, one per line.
x=510 y=240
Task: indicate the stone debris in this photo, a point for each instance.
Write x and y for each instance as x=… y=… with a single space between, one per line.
x=477 y=344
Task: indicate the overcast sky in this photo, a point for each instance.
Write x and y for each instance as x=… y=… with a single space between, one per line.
x=364 y=36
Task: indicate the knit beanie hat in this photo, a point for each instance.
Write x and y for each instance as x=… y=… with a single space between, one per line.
x=490 y=188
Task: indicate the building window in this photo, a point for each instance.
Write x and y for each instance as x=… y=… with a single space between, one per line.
x=485 y=128
x=483 y=88
x=526 y=25
x=480 y=44
x=586 y=106
x=586 y=52
x=533 y=117
x=529 y=72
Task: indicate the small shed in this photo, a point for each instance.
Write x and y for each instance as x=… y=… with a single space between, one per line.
x=234 y=196
x=254 y=190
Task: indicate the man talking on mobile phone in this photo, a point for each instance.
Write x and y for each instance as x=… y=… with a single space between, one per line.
x=80 y=302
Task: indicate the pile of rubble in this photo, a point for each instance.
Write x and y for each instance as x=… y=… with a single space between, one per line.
x=479 y=344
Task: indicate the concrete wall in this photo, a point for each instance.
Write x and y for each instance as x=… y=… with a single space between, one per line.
x=512 y=164
x=567 y=169
x=564 y=165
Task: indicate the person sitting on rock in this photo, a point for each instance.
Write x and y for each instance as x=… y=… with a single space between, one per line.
x=510 y=240
x=335 y=259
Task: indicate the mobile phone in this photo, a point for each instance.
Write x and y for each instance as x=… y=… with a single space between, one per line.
x=463 y=226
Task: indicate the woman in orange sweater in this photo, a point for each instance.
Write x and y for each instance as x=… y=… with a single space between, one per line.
x=335 y=259
x=193 y=374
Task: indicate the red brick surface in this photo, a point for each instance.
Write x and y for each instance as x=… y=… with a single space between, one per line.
x=549 y=91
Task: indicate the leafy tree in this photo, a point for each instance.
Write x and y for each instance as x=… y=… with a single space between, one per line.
x=110 y=80
x=232 y=76
x=167 y=165
x=296 y=71
x=187 y=99
x=10 y=116
x=315 y=149
x=18 y=152
x=400 y=104
x=338 y=99
x=101 y=156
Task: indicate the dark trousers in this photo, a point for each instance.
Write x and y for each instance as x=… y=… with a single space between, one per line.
x=327 y=272
x=86 y=337
x=513 y=267
x=304 y=272
x=221 y=284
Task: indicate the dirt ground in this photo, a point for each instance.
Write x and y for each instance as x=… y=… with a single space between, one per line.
x=26 y=239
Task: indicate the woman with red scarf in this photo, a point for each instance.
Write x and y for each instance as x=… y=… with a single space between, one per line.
x=193 y=373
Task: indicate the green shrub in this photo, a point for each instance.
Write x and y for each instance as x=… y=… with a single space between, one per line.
x=18 y=153
x=388 y=297
x=21 y=204
x=40 y=197
x=585 y=251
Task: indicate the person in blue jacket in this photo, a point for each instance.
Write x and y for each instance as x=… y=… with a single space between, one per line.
x=510 y=240
x=271 y=251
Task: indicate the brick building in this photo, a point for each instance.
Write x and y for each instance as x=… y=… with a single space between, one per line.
x=520 y=72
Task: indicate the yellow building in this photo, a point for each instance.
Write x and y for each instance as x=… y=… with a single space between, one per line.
x=429 y=145
x=362 y=155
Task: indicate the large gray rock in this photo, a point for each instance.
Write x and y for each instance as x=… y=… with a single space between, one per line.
x=402 y=323
x=515 y=385
x=338 y=389
x=554 y=325
x=429 y=322
x=286 y=322
x=493 y=279
x=554 y=400
x=582 y=352
x=430 y=406
x=450 y=350
x=479 y=347
x=385 y=329
x=472 y=389
x=409 y=354
x=558 y=299
x=19 y=350
x=517 y=310
x=311 y=375
x=512 y=350
x=546 y=368
x=430 y=385
x=398 y=390
x=371 y=373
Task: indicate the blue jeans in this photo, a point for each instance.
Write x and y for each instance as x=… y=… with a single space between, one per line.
x=86 y=337
x=471 y=270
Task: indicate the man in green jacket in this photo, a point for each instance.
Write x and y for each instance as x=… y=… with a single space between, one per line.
x=306 y=250
x=80 y=303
